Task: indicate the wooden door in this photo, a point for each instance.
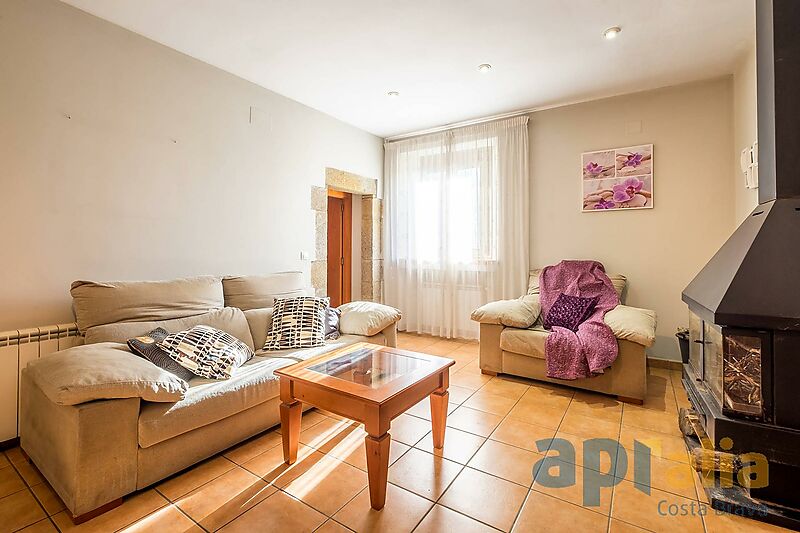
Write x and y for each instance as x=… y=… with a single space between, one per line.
x=340 y=246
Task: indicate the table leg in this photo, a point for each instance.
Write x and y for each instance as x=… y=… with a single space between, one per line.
x=377 y=468
x=439 y=416
x=291 y=414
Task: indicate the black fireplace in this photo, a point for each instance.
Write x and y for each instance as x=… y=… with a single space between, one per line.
x=743 y=375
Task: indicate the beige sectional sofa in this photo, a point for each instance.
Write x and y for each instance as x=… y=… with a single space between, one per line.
x=512 y=341
x=101 y=423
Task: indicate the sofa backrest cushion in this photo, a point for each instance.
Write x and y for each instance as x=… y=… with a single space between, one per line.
x=259 y=292
x=619 y=281
x=260 y=321
x=97 y=303
x=230 y=320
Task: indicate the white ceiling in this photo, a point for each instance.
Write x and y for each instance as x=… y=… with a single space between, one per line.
x=342 y=57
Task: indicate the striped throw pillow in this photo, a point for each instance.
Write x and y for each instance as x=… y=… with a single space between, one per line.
x=206 y=351
x=148 y=348
x=297 y=322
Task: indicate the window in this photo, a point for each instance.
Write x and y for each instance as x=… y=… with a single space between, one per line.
x=456 y=224
x=455 y=207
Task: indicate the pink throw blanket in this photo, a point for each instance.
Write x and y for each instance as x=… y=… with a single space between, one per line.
x=592 y=349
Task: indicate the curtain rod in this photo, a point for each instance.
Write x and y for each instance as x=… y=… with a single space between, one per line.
x=530 y=110
x=463 y=123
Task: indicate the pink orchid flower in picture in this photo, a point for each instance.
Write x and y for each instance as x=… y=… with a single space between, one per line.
x=633 y=160
x=626 y=191
x=594 y=169
x=605 y=204
x=598 y=165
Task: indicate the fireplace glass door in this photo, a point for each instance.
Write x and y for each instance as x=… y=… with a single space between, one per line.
x=712 y=360
x=745 y=390
x=734 y=366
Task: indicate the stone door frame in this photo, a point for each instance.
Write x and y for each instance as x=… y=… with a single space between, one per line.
x=371 y=227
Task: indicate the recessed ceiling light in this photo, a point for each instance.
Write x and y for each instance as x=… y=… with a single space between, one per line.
x=484 y=67
x=611 y=33
x=393 y=94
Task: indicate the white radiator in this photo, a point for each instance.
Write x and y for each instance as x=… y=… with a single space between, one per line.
x=17 y=349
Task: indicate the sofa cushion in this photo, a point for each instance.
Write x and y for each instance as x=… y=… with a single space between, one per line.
x=103 y=371
x=208 y=401
x=97 y=303
x=524 y=341
x=260 y=322
x=633 y=324
x=207 y=351
x=519 y=313
x=627 y=323
x=230 y=320
x=257 y=292
x=366 y=318
x=619 y=281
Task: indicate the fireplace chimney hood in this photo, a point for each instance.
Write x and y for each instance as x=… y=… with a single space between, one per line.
x=754 y=279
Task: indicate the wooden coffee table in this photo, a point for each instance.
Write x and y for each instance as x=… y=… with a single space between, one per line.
x=370 y=384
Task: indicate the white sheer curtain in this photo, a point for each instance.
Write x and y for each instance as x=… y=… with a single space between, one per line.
x=456 y=224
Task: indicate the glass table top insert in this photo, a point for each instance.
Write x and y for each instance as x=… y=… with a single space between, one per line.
x=370 y=367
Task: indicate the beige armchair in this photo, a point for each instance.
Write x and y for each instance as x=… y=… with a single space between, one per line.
x=512 y=341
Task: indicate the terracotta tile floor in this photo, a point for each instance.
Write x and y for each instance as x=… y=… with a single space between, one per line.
x=490 y=475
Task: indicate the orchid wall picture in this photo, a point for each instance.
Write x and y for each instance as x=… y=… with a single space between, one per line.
x=621 y=178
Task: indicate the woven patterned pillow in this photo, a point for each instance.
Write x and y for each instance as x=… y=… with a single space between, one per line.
x=147 y=347
x=569 y=311
x=297 y=323
x=206 y=351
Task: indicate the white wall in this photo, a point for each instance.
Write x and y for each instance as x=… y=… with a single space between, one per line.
x=660 y=249
x=745 y=127
x=123 y=159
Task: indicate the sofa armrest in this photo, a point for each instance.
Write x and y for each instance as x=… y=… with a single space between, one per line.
x=632 y=324
x=87 y=452
x=491 y=355
x=105 y=370
x=390 y=334
x=519 y=313
x=367 y=318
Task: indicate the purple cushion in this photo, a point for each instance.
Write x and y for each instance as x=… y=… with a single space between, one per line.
x=569 y=311
x=332 y=315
